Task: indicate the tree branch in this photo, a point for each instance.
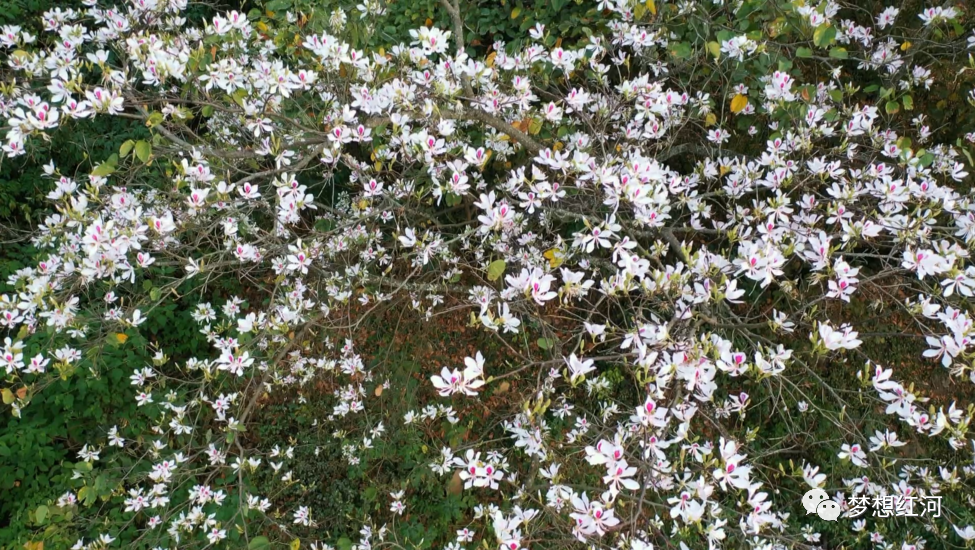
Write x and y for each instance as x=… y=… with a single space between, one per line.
x=458 y=24
x=474 y=113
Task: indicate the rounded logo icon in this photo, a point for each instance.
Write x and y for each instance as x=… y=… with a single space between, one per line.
x=812 y=499
x=828 y=510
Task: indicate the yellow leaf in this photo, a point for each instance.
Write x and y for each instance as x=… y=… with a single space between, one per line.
x=22 y=392
x=722 y=170
x=261 y=27
x=710 y=120
x=296 y=544
x=490 y=59
x=503 y=387
x=738 y=103
x=555 y=257
x=121 y=337
x=715 y=49
x=515 y=13
x=379 y=391
x=906 y=46
x=428 y=22
x=652 y=6
x=558 y=146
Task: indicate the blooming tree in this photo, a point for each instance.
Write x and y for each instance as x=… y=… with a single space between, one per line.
x=712 y=246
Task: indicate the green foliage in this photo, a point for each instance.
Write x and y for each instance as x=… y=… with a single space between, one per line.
x=486 y=21
x=66 y=414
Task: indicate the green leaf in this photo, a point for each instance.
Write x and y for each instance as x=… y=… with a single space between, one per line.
x=824 y=35
x=143 y=150
x=238 y=96
x=534 y=126
x=103 y=170
x=259 y=543
x=546 y=343
x=344 y=544
x=908 y=102
x=804 y=52
x=715 y=49
x=154 y=119
x=126 y=148
x=839 y=53
x=279 y=5
x=892 y=107
x=836 y=95
x=496 y=270
x=681 y=50
x=87 y=496
x=40 y=515
x=926 y=159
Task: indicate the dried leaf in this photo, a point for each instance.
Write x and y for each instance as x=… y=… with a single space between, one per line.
x=456 y=485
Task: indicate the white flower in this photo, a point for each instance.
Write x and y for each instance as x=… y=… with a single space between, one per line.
x=968 y=533
x=578 y=369
x=454 y=381
x=303 y=516
x=845 y=338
